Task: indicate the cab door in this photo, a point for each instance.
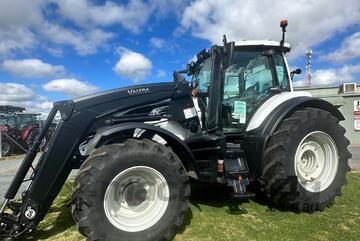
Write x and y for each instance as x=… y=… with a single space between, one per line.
x=248 y=82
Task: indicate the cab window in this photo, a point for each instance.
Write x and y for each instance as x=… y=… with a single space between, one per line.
x=247 y=84
x=203 y=76
x=281 y=71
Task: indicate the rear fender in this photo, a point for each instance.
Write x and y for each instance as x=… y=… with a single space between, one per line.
x=103 y=135
x=256 y=140
x=272 y=122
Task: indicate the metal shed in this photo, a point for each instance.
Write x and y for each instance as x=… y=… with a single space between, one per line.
x=347 y=98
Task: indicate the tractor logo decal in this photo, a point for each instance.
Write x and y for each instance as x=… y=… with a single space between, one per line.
x=139 y=91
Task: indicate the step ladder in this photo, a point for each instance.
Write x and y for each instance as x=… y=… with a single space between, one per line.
x=237 y=171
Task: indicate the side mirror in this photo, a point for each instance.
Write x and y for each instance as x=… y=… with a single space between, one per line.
x=294 y=72
x=190 y=68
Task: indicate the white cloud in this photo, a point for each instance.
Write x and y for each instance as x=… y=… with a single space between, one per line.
x=32 y=68
x=57 y=52
x=16 y=18
x=161 y=73
x=15 y=92
x=21 y=95
x=310 y=22
x=84 y=13
x=16 y=39
x=157 y=43
x=84 y=42
x=335 y=76
x=133 y=65
x=24 y=25
x=133 y=15
x=350 y=49
x=70 y=87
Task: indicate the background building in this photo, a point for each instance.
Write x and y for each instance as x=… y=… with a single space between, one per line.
x=347 y=98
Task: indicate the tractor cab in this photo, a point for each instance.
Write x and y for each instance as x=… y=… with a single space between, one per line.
x=230 y=84
x=256 y=71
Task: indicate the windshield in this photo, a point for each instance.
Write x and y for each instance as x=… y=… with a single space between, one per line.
x=8 y=120
x=247 y=84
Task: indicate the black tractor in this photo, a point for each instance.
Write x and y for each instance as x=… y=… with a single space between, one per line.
x=237 y=123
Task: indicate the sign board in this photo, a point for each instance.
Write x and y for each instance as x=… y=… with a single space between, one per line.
x=357 y=123
x=240 y=111
x=357 y=107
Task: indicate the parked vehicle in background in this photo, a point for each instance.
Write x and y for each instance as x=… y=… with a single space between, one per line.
x=19 y=130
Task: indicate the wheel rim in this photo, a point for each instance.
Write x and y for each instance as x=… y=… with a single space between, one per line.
x=5 y=148
x=316 y=161
x=136 y=199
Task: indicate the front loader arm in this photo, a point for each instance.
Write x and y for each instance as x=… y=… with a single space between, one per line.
x=49 y=175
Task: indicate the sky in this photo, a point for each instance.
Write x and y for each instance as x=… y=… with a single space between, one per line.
x=54 y=50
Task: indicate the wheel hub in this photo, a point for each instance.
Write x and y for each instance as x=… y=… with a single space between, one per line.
x=309 y=160
x=136 y=198
x=316 y=161
x=134 y=194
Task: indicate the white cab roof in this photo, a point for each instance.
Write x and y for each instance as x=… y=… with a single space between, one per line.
x=260 y=42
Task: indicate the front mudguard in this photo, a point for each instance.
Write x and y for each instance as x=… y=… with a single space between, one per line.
x=103 y=135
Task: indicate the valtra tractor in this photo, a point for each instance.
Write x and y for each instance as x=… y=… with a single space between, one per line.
x=238 y=123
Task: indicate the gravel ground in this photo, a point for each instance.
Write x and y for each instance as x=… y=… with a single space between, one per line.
x=8 y=167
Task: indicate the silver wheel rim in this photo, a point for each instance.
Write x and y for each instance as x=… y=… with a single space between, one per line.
x=5 y=148
x=136 y=199
x=316 y=161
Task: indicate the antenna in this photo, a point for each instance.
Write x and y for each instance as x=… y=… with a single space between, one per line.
x=308 y=67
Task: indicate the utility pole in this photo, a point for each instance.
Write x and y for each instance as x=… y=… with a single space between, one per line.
x=0 y=144
x=308 y=67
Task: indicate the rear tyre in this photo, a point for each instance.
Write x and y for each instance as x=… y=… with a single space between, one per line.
x=136 y=190
x=306 y=161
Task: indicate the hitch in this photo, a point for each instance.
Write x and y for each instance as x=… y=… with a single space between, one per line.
x=9 y=227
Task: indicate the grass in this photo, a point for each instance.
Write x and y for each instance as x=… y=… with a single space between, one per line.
x=214 y=216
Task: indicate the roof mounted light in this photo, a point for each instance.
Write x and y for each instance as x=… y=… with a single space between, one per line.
x=283 y=25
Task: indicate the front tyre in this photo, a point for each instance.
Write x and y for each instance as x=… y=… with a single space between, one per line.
x=136 y=190
x=306 y=161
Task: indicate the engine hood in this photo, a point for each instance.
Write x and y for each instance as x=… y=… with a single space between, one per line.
x=130 y=96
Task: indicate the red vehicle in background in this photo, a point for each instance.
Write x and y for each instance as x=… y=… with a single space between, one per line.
x=18 y=129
